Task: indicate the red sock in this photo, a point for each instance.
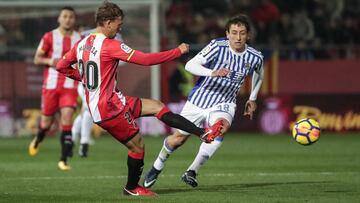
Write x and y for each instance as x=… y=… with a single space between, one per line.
x=162 y=112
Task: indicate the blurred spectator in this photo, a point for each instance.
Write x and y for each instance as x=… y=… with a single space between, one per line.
x=303 y=33
x=299 y=28
x=3 y=41
x=285 y=29
x=334 y=8
x=265 y=16
x=303 y=27
x=292 y=26
x=15 y=36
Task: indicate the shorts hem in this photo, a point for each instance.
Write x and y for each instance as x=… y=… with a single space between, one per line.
x=130 y=137
x=74 y=106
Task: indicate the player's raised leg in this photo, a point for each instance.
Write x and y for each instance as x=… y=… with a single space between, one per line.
x=156 y=108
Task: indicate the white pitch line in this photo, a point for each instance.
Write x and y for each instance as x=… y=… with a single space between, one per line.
x=178 y=175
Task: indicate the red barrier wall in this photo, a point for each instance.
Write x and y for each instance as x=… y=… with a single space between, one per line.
x=319 y=77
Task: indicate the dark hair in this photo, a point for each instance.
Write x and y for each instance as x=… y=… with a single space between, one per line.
x=68 y=8
x=107 y=11
x=240 y=19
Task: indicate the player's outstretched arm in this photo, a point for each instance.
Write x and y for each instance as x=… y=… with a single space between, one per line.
x=64 y=65
x=148 y=59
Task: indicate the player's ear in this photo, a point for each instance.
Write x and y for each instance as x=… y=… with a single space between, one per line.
x=107 y=23
x=249 y=36
x=227 y=34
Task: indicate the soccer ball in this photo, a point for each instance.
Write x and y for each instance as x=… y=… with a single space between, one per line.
x=306 y=131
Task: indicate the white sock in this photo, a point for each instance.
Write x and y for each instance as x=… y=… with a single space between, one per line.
x=163 y=156
x=205 y=152
x=86 y=125
x=76 y=128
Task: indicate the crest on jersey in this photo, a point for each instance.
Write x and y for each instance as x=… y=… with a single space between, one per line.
x=247 y=65
x=125 y=48
x=205 y=50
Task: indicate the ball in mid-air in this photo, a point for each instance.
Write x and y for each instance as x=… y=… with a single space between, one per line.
x=306 y=131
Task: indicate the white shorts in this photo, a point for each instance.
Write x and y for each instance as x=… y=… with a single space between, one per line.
x=198 y=115
x=81 y=93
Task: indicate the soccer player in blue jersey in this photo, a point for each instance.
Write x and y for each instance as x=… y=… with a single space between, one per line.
x=222 y=66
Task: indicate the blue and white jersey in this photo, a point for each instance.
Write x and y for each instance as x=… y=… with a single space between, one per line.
x=209 y=91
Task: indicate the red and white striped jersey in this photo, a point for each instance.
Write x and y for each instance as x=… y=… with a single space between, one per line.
x=98 y=58
x=55 y=45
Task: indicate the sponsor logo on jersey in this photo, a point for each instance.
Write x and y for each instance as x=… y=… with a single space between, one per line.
x=125 y=48
x=223 y=43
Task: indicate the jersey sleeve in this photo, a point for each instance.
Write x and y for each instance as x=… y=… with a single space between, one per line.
x=208 y=53
x=121 y=51
x=259 y=65
x=46 y=42
x=64 y=65
x=257 y=78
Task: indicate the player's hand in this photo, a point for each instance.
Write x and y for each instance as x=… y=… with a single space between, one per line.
x=53 y=62
x=250 y=108
x=222 y=72
x=184 y=48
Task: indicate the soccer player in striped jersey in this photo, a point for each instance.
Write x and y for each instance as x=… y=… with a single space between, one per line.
x=97 y=56
x=213 y=98
x=58 y=92
x=83 y=122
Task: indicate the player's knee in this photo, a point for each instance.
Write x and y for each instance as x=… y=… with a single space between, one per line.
x=45 y=122
x=176 y=140
x=136 y=144
x=181 y=139
x=66 y=118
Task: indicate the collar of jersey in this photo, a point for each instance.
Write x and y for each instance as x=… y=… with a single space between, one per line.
x=238 y=53
x=62 y=34
x=97 y=33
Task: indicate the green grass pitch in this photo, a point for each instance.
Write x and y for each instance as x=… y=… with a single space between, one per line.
x=247 y=168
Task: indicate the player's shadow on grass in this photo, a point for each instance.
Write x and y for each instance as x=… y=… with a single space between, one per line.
x=231 y=187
